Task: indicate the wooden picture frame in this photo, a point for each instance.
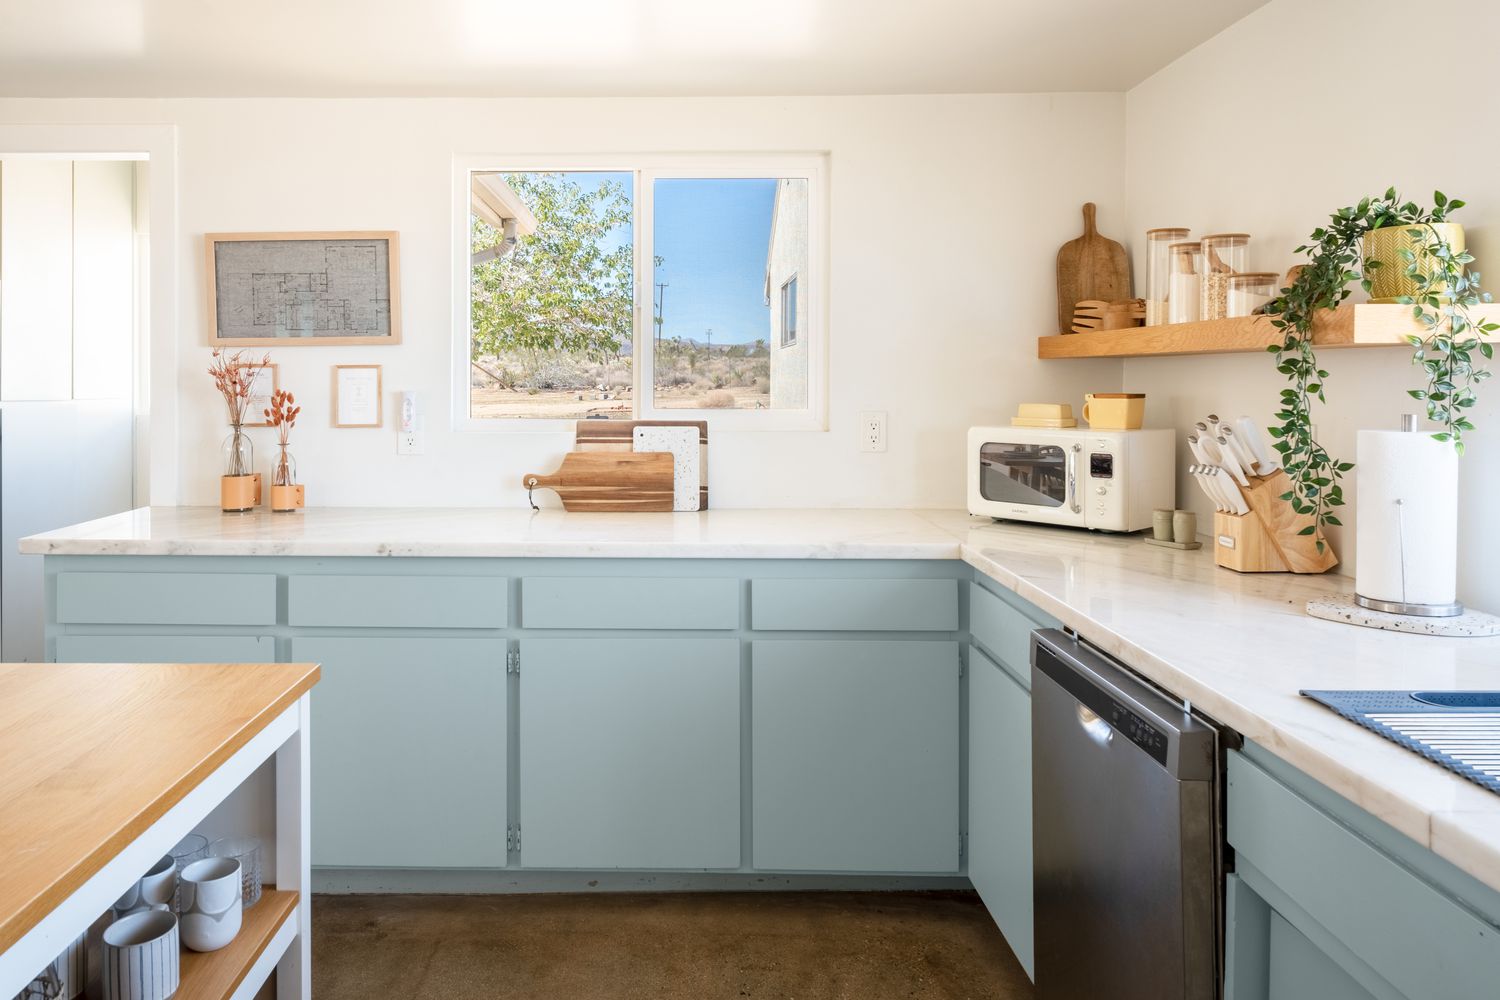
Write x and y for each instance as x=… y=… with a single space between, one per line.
x=255 y=410
x=349 y=411
x=285 y=289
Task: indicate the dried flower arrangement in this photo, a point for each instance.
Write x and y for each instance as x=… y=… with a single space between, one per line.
x=232 y=377
x=283 y=416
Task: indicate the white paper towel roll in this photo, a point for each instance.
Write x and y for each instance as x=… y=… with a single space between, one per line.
x=1406 y=545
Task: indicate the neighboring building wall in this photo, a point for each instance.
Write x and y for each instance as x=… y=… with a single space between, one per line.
x=787 y=258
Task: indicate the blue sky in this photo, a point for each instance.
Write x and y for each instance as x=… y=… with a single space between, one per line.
x=713 y=236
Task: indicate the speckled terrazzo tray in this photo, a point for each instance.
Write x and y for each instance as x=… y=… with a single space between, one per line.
x=1341 y=608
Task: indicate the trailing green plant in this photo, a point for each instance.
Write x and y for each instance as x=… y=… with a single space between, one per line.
x=1445 y=350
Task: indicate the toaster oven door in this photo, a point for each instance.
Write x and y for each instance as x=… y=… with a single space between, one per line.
x=1030 y=481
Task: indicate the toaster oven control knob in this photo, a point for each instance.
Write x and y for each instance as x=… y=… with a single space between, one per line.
x=1102 y=490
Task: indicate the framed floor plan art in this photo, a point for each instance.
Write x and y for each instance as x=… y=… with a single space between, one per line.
x=303 y=288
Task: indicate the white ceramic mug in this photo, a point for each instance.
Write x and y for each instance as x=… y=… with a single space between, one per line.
x=139 y=960
x=152 y=891
x=211 y=911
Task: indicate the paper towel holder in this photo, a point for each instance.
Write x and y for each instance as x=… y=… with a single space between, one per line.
x=1408 y=425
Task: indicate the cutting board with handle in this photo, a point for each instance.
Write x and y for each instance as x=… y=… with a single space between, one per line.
x=619 y=436
x=1090 y=267
x=610 y=481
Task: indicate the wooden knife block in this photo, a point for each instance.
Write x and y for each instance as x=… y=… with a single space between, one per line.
x=1266 y=540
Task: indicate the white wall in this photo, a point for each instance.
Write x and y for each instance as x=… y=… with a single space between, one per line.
x=1295 y=111
x=946 y=213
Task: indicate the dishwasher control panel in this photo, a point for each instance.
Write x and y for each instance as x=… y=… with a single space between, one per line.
x=1140 y=732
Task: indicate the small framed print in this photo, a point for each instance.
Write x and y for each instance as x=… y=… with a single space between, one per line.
x=356 y=396
x=264 y=380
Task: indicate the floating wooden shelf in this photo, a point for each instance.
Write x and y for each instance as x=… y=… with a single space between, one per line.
x=1348 y=326
x=215 y=975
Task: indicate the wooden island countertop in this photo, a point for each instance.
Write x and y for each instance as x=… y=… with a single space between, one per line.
x=91 y=755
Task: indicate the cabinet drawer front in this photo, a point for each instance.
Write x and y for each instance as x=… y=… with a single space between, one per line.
x=397 y=601
x=854 y=605
x=166 y=598
x=1408 y=932
x=166 y=649
x=629 y=602
x=1004 y=630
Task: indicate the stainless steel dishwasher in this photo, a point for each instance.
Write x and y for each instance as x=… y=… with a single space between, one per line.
x=1126 y=833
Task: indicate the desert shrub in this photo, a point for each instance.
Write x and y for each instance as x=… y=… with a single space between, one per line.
x=718 y=399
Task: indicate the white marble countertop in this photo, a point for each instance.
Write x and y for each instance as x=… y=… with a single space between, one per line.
x=427 y=531
x=1240 y=647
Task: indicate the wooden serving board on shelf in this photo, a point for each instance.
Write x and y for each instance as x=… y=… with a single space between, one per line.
x=1090 y=267
x=610 y=481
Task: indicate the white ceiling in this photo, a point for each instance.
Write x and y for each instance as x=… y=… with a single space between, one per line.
x=190 y=48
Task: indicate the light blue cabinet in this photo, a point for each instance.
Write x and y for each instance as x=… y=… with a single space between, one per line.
x=1000 y=800
x=408 y=752
x=855 y=755
x=630 y=753
x=1326 y=901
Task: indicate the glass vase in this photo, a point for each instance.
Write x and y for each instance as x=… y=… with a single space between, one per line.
x=239 y=455
x=284 y=473
x=286 y=494
x=239 y=489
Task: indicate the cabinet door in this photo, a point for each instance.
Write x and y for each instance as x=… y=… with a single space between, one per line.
x=408 y=752
x=1000 y=800
x=630 y=753
x=1299 y=969
x=855 y=757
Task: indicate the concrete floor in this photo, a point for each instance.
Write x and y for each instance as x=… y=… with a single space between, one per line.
x=679 y=946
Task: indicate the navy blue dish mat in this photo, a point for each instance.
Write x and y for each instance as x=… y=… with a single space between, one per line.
x=1379 y=712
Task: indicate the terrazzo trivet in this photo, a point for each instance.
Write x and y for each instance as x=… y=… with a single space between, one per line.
x=1341 y=608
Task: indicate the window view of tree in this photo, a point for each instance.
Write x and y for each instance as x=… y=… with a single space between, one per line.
x=550 y=315
x=552 y=300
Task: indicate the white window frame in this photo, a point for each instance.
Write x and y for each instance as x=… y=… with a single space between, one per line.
x=646 y=169
x=794 y=329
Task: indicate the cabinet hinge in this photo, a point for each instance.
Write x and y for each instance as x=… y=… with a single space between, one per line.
x=513 y=837
x=513 y=661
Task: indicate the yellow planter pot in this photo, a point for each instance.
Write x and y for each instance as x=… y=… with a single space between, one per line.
x=1389 y=282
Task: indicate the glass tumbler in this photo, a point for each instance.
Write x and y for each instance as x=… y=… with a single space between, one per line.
x=193 y=847
x=245 y=850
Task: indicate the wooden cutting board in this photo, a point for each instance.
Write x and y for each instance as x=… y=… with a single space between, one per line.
x=610 y=481
x=1090 y=267
x=619 y=436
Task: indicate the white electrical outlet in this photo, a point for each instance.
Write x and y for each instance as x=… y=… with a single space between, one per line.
x=409 y=443
x=872 y=430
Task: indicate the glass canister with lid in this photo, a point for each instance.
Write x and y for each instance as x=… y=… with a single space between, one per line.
x=1183 y=283
x=1158 y=270
x=1249 y=291
x=1224 y=254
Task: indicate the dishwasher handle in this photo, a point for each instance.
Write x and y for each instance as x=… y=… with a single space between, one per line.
x=1094 y=726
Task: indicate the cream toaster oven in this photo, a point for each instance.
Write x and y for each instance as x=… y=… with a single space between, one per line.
x=1076 y=477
